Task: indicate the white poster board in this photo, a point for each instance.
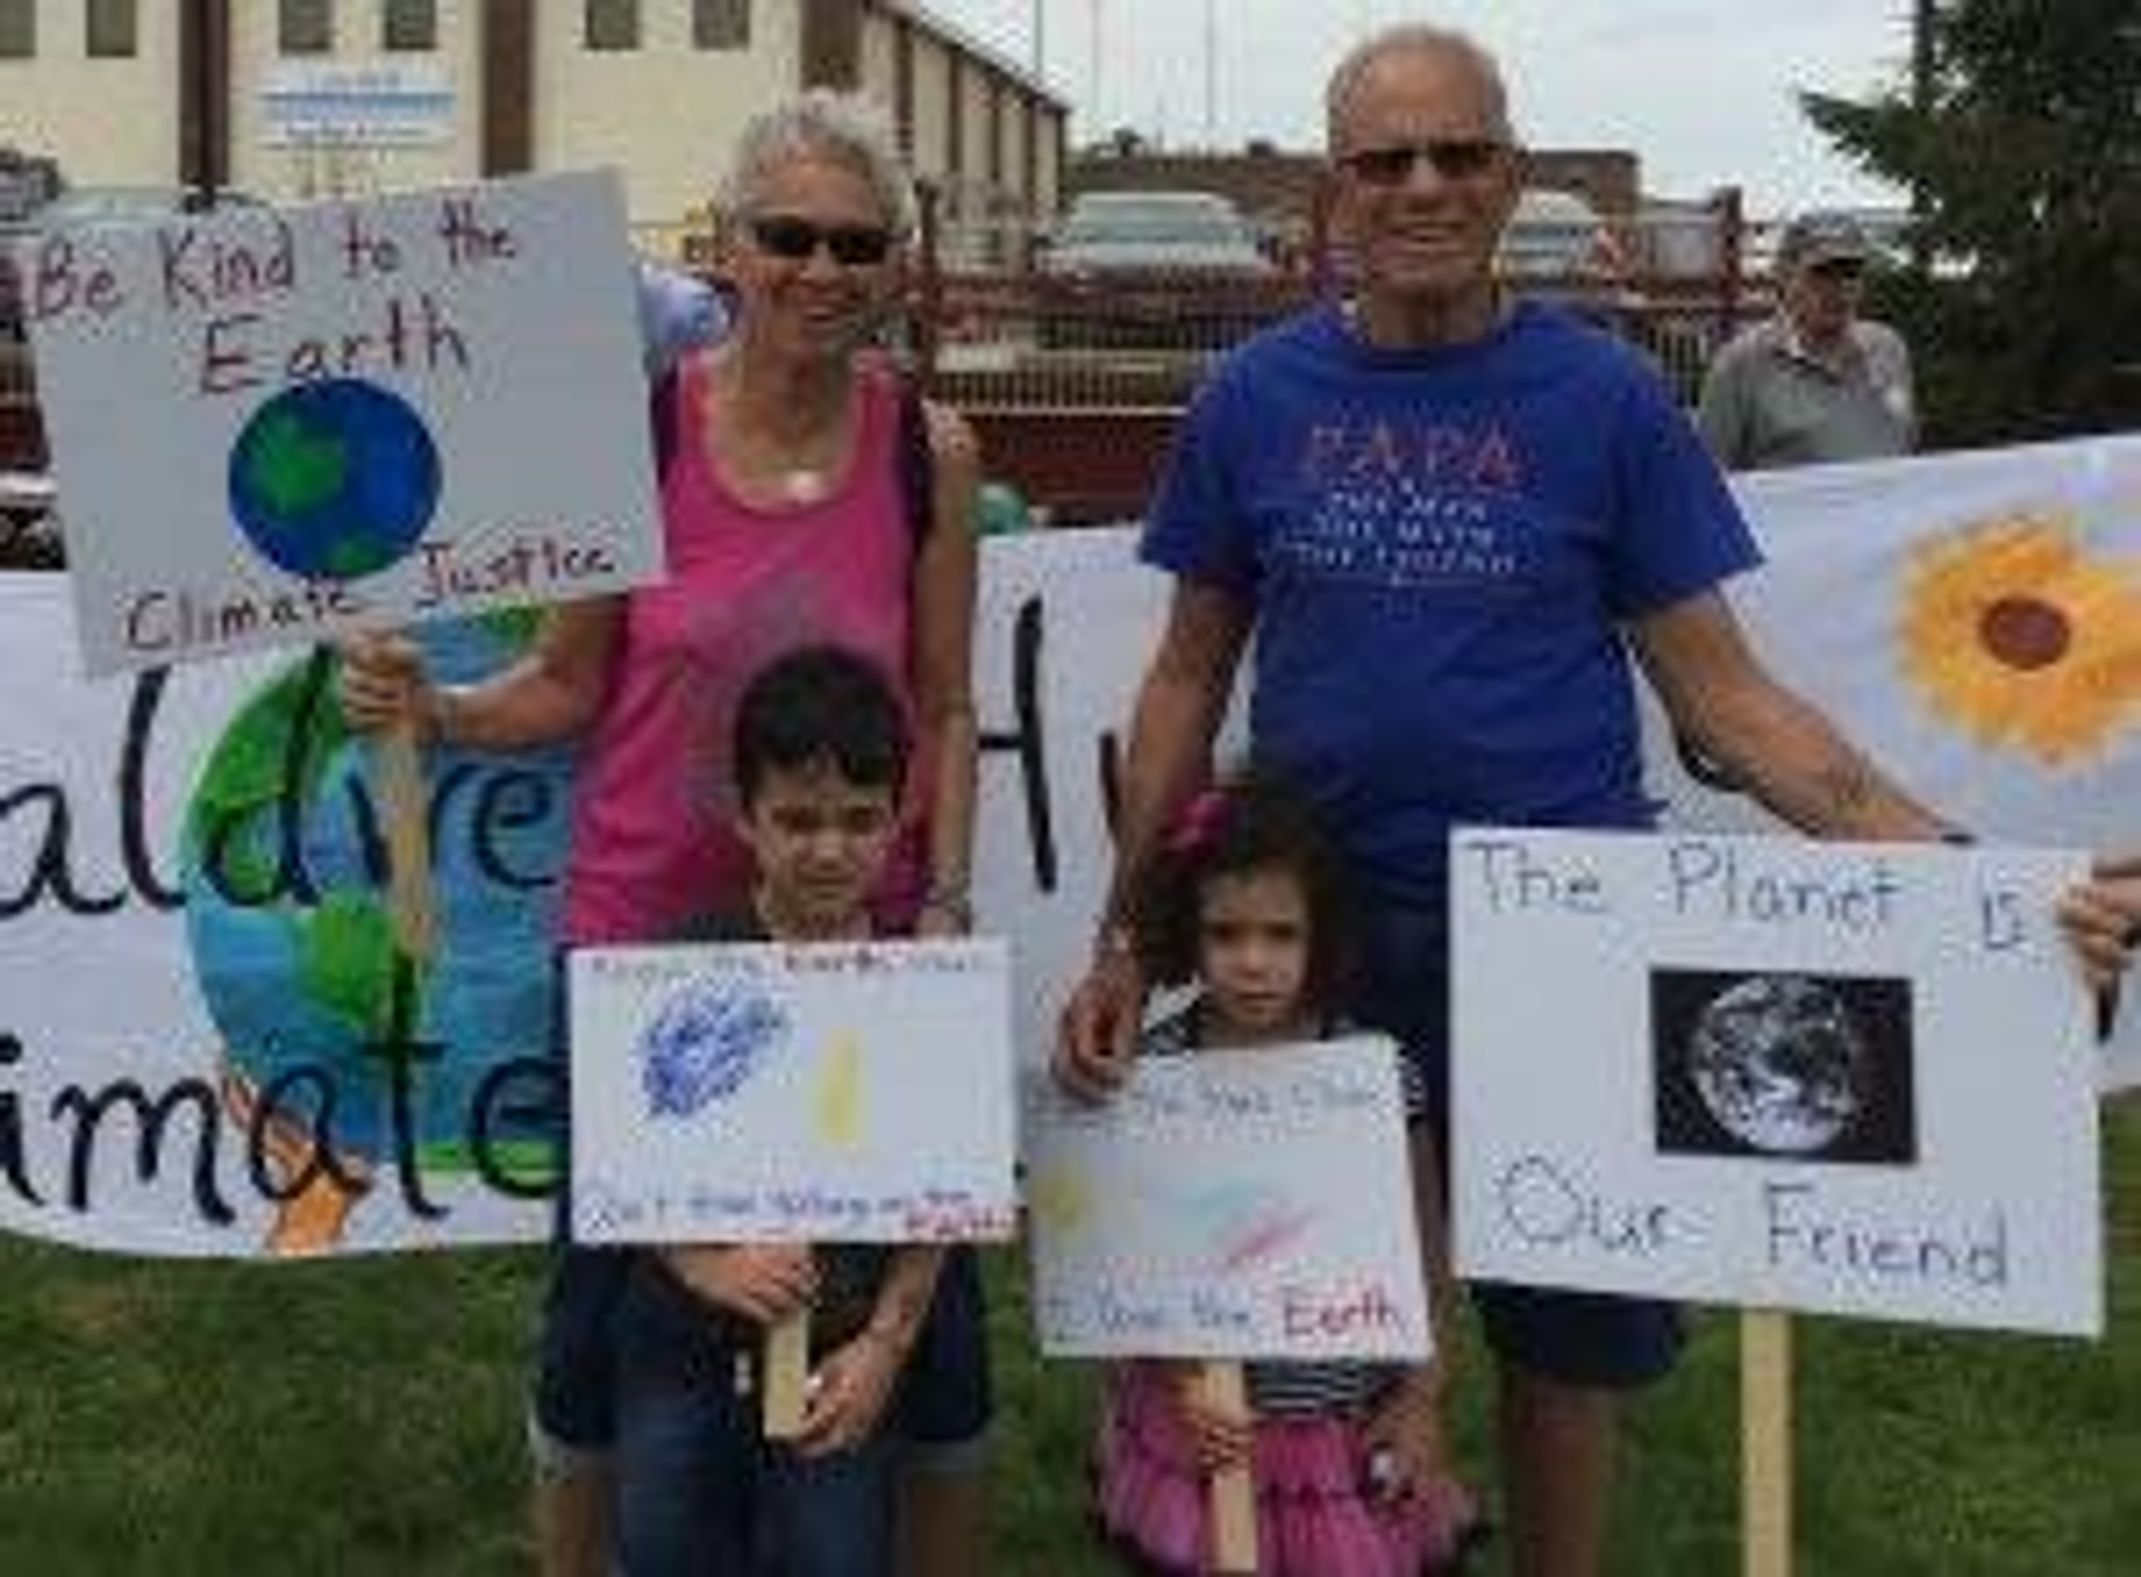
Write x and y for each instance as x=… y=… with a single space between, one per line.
x=1845 y=1078
x=1238 y=1204
x=843 y=1092
x=272 y=425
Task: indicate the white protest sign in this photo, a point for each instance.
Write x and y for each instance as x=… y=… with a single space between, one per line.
x=1854 y=1079
x=272 y=425
x=844 y=1092
x=1237 y=1204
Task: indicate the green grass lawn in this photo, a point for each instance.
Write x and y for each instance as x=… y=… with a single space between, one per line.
x=364 y=1417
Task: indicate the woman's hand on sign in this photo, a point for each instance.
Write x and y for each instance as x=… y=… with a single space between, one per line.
x=1221 y=1438
x=2102 y=919
x=763 y=1282
x=384 y=684
x=1096 y=1042
x=848 y=1394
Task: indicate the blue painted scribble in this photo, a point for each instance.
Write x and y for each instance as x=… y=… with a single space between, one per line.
x=705 y=1043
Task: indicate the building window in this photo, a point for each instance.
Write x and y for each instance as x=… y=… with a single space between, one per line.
x=18 y=29
x=409 y=25
x=306 y=27
x=112 y=29
x=721 y=24
x=613 y=24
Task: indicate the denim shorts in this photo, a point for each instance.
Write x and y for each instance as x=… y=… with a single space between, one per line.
x=1402 y=987
x=942 y=1415
x=702 y=1493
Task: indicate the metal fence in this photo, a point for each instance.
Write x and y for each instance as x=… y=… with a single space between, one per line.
x=1074 y=379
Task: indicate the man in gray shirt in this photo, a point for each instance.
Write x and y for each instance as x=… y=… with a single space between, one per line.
x=1817 y=382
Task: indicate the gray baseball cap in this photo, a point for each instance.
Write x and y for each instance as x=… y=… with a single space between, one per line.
x=1823 y=236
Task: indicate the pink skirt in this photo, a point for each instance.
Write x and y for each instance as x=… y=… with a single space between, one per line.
x=1312 y=1518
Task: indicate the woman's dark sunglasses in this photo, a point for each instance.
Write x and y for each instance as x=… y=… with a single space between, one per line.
x=1454 y=159
x=851 y=246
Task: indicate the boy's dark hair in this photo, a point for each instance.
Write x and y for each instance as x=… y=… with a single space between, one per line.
x=820 y=704
x=1253 y=821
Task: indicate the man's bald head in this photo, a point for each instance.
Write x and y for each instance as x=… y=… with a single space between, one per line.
x=1412 y=38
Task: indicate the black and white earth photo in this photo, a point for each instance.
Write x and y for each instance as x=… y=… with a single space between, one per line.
x=1809 y=1067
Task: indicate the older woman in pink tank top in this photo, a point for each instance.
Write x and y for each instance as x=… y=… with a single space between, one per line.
x=787 y=523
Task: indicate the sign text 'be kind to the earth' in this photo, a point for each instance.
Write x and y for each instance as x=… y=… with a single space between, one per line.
x=1846 y=1078
x=270 y=425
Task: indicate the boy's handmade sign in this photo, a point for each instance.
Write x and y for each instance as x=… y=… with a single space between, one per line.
x=1239 y=1204
x=270 y=425
x=836 y=1092
x=1857 y=1079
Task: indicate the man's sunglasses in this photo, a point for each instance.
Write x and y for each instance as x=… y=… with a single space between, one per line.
x=851 y=246
x=1453 y=158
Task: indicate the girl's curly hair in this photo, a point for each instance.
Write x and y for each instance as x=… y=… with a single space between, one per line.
x=1252 y=821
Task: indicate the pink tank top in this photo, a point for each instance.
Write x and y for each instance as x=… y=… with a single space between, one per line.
x=653 y=841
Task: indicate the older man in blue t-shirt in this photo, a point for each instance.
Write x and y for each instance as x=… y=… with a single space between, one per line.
x=1448 y=519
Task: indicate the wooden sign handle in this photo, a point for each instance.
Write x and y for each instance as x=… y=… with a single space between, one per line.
x=1766 y=1442
x=1231 y=1496
x=409 y=888
x=787 y=1377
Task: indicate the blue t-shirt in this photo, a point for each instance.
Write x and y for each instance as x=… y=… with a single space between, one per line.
x=1440 y=547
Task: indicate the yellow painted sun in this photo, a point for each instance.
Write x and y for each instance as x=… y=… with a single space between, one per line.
x=837 y=1101
x=1060 y=1199
x=2024 y=642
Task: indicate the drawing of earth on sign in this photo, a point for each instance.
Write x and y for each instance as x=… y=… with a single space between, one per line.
x=1780 y=1065
x=334 y=479
x=704 y=1044
x=295 y=955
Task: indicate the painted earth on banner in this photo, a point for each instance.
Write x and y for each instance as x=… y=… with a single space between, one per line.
x=207 y=1047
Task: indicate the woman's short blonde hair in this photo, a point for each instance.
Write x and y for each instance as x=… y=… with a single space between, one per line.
x=841 y=128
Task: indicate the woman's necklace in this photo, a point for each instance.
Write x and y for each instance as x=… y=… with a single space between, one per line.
x=794 y=473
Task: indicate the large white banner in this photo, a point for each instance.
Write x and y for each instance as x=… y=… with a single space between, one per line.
x=1844 y=1078
x=271 y=425
x=189 y=859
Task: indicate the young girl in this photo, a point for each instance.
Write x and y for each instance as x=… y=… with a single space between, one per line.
x=1245 y=901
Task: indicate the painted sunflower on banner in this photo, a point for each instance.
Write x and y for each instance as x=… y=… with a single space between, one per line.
x=2022 y=640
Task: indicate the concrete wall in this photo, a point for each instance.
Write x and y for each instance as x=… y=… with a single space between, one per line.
x=110 y=122
x=932 y=107
x=665 y=114
x=291 y=174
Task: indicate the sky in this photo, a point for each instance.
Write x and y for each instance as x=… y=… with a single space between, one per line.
x=1703 y=91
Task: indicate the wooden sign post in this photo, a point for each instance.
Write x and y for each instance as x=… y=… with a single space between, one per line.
x=1232 y=1494
x=1766 y=1442
x=400 y=770
x=787 y=1377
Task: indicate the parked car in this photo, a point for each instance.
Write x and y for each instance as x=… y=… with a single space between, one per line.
x=1109 y=232
x=1556 y=236
x=1155 y=269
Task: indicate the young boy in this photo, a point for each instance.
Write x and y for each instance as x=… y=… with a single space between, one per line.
x=820 y=759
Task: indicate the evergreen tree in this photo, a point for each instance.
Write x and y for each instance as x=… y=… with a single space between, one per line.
x=2026 y=158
